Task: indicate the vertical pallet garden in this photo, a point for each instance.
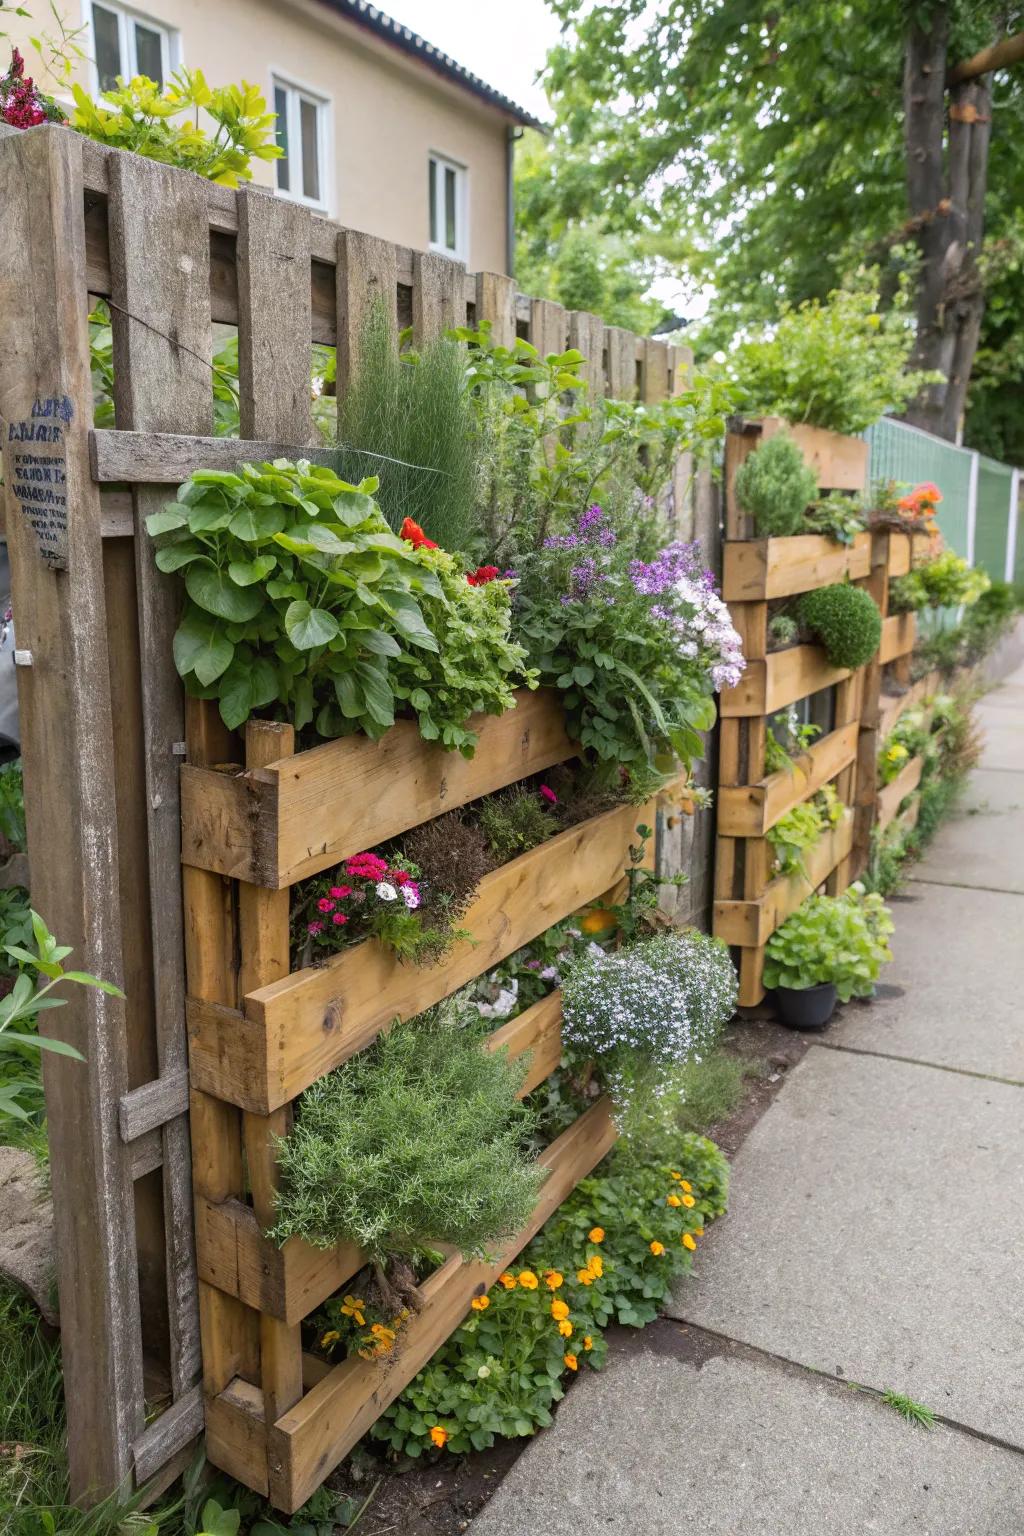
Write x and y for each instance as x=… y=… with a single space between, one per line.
x=277 y=1420
x=749 y=903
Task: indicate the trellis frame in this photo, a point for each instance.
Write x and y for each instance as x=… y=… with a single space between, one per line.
x=103 y=719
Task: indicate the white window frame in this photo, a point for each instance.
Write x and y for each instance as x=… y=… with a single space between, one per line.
x=297 y=91
x=442 y=162
x=170 y=40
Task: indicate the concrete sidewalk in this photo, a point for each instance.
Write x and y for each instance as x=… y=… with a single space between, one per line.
x=875 y=1236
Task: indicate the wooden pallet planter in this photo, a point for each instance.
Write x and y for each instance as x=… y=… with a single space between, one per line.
x=274 y=1420
x=899 y=632
x=750 y=924
x=839 y=462
x=907 y=551
x=892 y=795
x=894 y=706
x=755 y=570
x=772 y=682
x=751 y=810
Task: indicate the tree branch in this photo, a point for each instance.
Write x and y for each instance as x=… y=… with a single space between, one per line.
x=1009 y=50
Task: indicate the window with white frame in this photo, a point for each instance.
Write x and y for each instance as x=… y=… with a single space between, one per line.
x=128 y=43
x=448 y=207
x=302 y=137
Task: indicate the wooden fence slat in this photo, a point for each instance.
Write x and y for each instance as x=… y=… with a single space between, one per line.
x=367 y=272
x=68 y=755
x=438 y=296
x=496 y=302
x=548 y=326
x=656 y=370
x=163 y=341
x=621 y=348
x=168 y=458
x=586 y=334
x=274 y=317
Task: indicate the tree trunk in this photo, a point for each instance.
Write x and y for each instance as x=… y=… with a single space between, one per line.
x=947 y=204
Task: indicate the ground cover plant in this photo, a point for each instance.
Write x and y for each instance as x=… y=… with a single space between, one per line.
x=776 y=487
x=844 y=621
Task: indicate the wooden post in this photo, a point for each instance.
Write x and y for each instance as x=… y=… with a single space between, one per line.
x=68 y=755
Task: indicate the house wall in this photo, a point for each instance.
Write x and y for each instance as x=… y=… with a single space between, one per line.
x=388 y=111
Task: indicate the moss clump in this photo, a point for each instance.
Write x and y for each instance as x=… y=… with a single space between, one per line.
x=775 y=486
x=845 y=621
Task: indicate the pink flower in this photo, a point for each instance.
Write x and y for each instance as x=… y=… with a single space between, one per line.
x=339 y=892
x=339 y=919
x=314 y=928
x=367 y=866
x=549 y=795
x=325 y=904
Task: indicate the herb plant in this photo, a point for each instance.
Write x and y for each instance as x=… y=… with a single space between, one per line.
x=838 y=516
x=800 y=828
x=516 y=820
x=414 y=1142
x=837 y=939
x=845 y=621
x=775 y=486
x=300 y=598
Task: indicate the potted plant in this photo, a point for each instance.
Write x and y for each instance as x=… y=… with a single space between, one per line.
x=830 y=949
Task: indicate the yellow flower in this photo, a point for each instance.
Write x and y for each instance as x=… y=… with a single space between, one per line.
x=688 y=1241
x=588 y=1342
x=559 y=1310
x=330 y=1337
x=673 y=1200
x=438 y=1435
x=698 y=1231
x=677 y=1176
x=571 y=1362
x=552 y=1279
x=585 y=1276
x=689 y=1201
x=687 y=1187
x=657 y=1249
x=353 y=1306
x=508 y=1280
x=565 y=1328
x=480 y=1303
x=528 y=1280
x=596 y=1234
x=596 y=1265
x=379 y=1331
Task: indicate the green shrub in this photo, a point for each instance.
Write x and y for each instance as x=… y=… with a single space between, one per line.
x=945 y=582
x=845 y=621
x=417 y=1141
x=837 y=939
x=775 y=486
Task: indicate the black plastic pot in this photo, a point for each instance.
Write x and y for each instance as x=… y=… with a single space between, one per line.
x=806 y=1007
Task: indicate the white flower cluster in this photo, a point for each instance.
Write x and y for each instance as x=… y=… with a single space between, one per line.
x=654 y=1005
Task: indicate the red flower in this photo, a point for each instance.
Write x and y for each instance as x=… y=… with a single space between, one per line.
x=325 y=904
x=399 y=876
x=482 y=575
x=415 y=535
x=339 y=919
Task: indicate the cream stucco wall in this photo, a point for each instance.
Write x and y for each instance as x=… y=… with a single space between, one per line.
x=388 y=111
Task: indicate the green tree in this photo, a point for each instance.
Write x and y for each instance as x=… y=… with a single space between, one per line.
x=793 y=143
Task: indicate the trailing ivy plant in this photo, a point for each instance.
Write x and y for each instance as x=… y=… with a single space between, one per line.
x=301 y=600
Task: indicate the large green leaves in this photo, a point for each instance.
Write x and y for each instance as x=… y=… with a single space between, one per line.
x=213 y=589
x=308 y=627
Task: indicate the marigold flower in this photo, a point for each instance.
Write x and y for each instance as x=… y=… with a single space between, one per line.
x=480 y=1303
x=437 y=1434
x=675 y=1175
x=688 y=1242
x=689 y=1201
x=687 y=1188
x=657 y=1249
x=596 y=1234
x=571 y=1362
x=559 y=1309
x=588 y=1342
x=508 y=1280
x=585 y=1276
x=565 y=1328
x=552 y=1279
x=596 y=1265
x=417 y=538
x=330 y=1337
x=698 y=1231
x=528 y=1280
x=673 y=1200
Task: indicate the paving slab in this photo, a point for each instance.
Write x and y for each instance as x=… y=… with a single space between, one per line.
x=875 y=1231
x=965 y=1012
x=1004 y=741
x=655 y=1446
x=982 y=843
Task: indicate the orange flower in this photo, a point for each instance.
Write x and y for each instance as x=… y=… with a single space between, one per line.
x=528 y=1280
x=687 y=1188
x=414 y=533
x=588 y=1342
x=565 y=1328
x=688 y=1242
x=596 y=1234
x=480 y=1303
x=657 y=1248
x=552 y=1279
x=596 y=1265
x=571 y=1362
x=559 y=1310
x=689 y=1201
x=438 y=1435
x=508 y=1280
x=673 y=1200
x=585 y=1276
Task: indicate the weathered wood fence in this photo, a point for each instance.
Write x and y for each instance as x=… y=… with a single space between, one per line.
x=103 y=718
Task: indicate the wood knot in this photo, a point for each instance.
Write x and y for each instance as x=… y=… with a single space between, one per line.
x=332 y=1017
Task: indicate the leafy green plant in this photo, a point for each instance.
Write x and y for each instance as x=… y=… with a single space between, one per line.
x=414 y=1142
x=945 y=582
x=783 y=631
x=786 y=739
x=800 y=828
x=837 y=939
x=12 y=808
x=140 y=117
x=914 y=1413
x=838 y=516
x=299 y=596
x=408 y=418
x=775 y=486
x=516 y=820
x=845 y=621
x=840 y=364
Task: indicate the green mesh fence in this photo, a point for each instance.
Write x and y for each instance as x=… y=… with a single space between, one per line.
x=993 y=516
x=899 y=452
